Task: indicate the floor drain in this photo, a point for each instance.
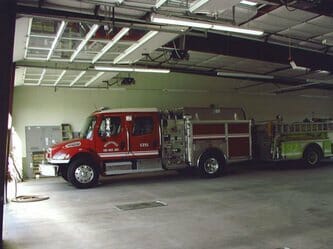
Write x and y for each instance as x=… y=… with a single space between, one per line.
x=30 y=198
x=141 y=205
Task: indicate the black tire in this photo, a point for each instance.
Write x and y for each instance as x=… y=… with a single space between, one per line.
x=312 y=156
x=83 y=173
x=63 y=171
x=211 y=164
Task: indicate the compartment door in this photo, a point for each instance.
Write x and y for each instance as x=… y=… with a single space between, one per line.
x=144 y=136
x=239 y=140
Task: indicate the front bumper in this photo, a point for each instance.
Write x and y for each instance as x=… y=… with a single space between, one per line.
x=58 y=161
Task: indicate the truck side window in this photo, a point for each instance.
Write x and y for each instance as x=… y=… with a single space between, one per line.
x=110 y=126
x=142 y=126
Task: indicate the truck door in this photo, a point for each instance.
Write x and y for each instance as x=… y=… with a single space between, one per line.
x=111 y=141
x=145 y=136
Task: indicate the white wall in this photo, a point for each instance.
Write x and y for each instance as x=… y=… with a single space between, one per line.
x=45 y=106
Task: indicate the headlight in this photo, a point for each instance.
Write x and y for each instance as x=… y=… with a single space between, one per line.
x=60 y=156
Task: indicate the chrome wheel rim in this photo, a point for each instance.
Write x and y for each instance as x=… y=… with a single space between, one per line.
x=211 y=165
x=84 y=174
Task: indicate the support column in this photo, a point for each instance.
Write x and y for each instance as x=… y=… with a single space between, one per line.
x=7 y=32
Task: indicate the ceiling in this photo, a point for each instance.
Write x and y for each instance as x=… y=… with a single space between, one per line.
x=60 y=43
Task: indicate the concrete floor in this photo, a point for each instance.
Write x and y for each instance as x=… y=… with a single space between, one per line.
x=251 y=207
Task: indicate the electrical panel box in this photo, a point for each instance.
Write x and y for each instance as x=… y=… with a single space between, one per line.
x=38 y=139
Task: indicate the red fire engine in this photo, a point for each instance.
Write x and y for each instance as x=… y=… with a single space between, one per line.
x=121 y=141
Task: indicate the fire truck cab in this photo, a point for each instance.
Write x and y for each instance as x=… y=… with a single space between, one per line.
x=121 y=141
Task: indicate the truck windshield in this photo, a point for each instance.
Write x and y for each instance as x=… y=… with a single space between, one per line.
x=88 y=127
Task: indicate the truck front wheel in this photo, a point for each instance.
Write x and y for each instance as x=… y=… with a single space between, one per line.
x=63 y=171
x=211 y=164
x=82 y=173
x=312 y=156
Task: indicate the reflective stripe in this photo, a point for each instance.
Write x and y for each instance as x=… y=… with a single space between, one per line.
x=130 y=154
x=145 y=153
x=113 y=154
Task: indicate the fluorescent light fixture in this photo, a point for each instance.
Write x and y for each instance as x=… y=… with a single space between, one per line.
x=91 y=32
x=136 y=45
x=237 y=30
x=77 y=78
x=30 y=84
x=108 y=1
x=203 y=25
x=244 y=75
x=322 y=71
x=56 y=39
x=60 y=77
x=151 y=70
x=115 y=39
x=197 y=4
x=94 y=79
x=180 y=22
x=159 y=3
x=132 y=69
x=250 y=3
x=184 y=90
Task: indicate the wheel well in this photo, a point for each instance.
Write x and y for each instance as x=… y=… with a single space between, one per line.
x=86 y=156
x=212 y=150
x=313 y=146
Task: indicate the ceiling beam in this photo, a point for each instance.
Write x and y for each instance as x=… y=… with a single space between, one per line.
x=114 y=40
x=93 y=79
x=258 y=50
x=56 y=39
x=55 y=65
x=88 y=36
x=77 y=78
x=60 y=77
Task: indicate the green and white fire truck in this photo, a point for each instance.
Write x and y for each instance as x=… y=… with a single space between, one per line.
x=310 y=141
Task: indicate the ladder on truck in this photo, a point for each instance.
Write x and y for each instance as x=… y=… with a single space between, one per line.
x=303 y=127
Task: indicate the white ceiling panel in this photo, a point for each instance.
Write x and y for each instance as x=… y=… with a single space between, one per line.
x=296 y=15
x=293 y=33
x=322 y=21
x=268 y=28
x=239 y=15
x=276 y=21
x=310 y=29
x=216 y=6
x=283 y=40
x=155 y=42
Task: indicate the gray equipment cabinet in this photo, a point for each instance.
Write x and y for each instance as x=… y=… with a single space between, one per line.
x=38 y=139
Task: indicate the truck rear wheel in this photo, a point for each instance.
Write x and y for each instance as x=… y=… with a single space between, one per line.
x=82 y=173
x=312 y=156
x=211 y=164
